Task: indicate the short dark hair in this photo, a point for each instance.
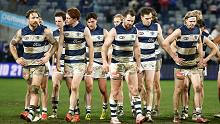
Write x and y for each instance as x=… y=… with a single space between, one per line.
x=129 y=12
x=91 y=15
x=200 y=23
x=60 y=14
x=146 y=10
x=74 y=13
x=30 y=12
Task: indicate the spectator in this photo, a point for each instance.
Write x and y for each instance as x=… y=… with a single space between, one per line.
x=164 y=5
x=204 y=6
x=213 y=7
x=109 y=16
x=215 y=32
x=133 y=4
x=172 y=5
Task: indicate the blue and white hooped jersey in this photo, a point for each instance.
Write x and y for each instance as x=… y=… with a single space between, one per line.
x=34 y=44
x=186 y=47
x=123 y=44
x=75 y=44
x=147 y=37
x=98 y=41
x=56 y=34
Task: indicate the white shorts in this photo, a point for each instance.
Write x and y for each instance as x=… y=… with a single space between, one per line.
x=47 y=70
x=118 y=70
x=97 y=72
x=149 y=65
x=71 y=69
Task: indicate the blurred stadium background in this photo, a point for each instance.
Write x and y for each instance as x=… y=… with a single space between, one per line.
x=170 y=14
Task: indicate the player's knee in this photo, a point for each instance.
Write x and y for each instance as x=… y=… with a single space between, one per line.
x=103 y=90
x=198 y=89
x=74 y=89
x=149 y=88
x=35 y=89
x=56 y=86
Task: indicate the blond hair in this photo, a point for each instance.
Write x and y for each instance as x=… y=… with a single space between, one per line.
x=198 y=14
x=119 y=16
x=188 y=15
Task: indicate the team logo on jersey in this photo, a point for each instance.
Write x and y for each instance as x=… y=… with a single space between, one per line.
x=37 y=37
x=98 y=37
x=26 y=38
x=152 y=33
x=132 y=36
x=78 y=34
x=196 y=37
x=186 y=38
x=121 y=37
x=66 y=34
x=141 y=33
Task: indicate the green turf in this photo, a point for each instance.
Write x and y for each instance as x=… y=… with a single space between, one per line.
x=13 y=92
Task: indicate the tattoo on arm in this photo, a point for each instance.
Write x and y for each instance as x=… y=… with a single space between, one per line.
x=50 y=38
x=13 y=42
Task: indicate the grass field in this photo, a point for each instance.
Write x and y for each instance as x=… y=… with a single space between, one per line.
x=13 y=92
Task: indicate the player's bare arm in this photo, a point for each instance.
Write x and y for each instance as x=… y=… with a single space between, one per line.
x=173 y=47
x=60 y=49
x=160 y=38
x=137 y=54
x=15 y=40
x=48 y=36
x=108 y=41
x=200 y=51
x=213 y=48
x=110 y=48
x=166 y=45
x=89 y=42
x=216 y=42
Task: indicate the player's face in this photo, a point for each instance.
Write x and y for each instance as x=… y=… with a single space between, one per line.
x=92 y=24
x=33 y=19
x=69 y=20
x=191 y=22
x=117 y=21
x=128 y=21
x=59 y=22
x=146 y=19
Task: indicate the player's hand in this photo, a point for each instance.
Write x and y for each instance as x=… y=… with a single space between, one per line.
x=43 y=60
x=21 y=62
x=201 y=63
x=178 y=60
x=218 y=55
x=138 y=69
x=89 y=69
x=58 y=66
x=105 y=67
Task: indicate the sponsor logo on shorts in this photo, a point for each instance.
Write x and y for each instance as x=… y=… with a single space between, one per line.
x=26 y=75
x=67 y=72
x=80 y=69
x=180 y=74
x=54 y=70
x=115 y=74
